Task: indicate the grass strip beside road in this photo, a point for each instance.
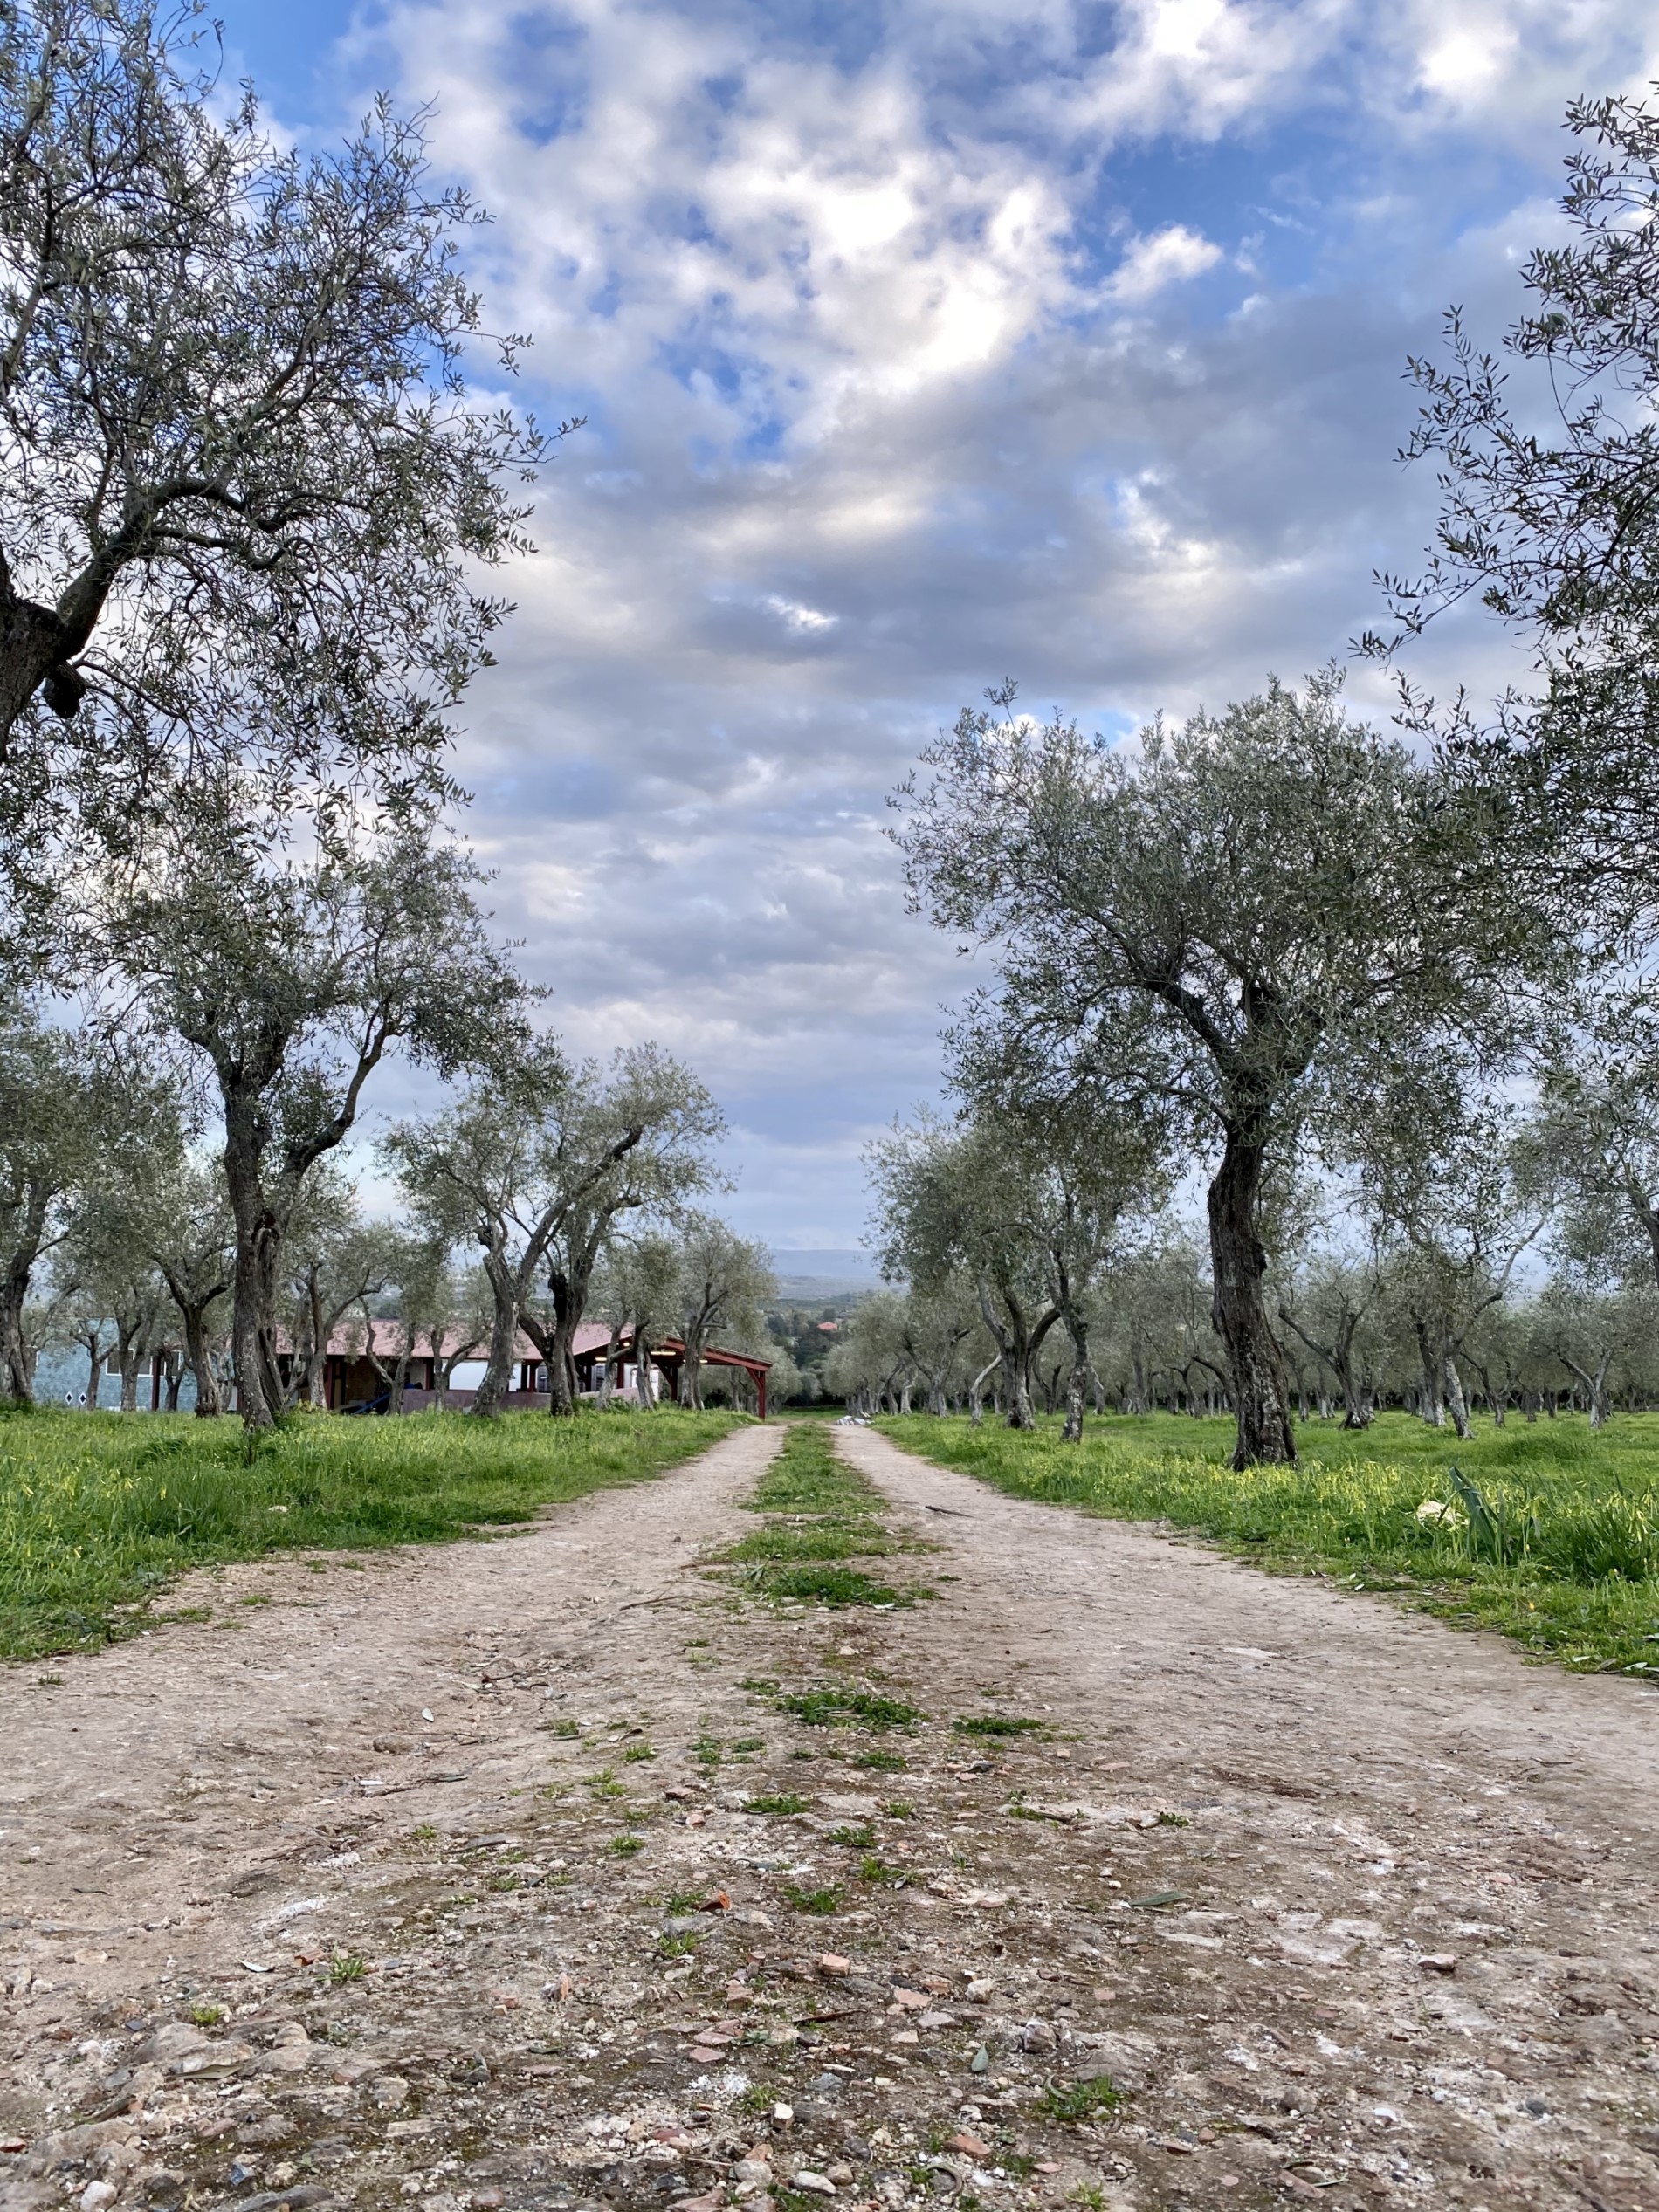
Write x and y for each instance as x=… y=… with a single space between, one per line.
x=1559 y=1546
x=98 y=1512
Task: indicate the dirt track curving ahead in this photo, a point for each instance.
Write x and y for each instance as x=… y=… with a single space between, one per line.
x=464 y=1846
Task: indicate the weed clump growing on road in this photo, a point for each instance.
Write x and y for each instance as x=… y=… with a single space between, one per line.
x=1074 y=2104
x=821 y=1902
x=832 y=1707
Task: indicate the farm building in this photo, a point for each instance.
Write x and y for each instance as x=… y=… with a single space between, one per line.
x=353 y=1383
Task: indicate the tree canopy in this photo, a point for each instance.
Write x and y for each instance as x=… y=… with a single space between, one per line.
x=1549 y=478
x=1239 y=924
x=247 y=496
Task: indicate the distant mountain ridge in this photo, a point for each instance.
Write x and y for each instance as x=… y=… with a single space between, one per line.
x=820 y=1272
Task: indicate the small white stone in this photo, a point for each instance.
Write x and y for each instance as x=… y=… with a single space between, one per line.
x=96 y=2196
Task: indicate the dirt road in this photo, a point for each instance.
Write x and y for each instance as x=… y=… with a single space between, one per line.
x=551 y=1872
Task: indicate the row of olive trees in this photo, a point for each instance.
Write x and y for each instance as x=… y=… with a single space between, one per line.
x=1289 y=948
x=1280 y=951
x=1254 y=942
x=1349 y=1330
x=120 y=1235
x=249 y=504
x=1276 y=948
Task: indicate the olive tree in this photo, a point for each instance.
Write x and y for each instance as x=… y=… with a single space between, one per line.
x=1327 y=1309
x=724 y=1279
x=1459 y=1192
x=634 y=1139
x=191 y=1239
x=947 y=1203
x=635 y=1293
x=77 y=1115
x=535 y=1164
x=942 y=1329
x=1231 y=923
x=1598 y=1125
x=293 y=975
x=241 y=471
x=410 y=1274
x=1028 y=1212
x=108 y=1258
x=335 y=1263
x=871 y=1364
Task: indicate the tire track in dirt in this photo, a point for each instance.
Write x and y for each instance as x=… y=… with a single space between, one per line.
x=1444 y=1854
x=160 y=1798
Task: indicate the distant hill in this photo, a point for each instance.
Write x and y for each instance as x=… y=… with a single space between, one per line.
x=808 y=1274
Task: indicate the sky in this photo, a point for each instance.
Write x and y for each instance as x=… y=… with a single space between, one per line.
x=919 y=346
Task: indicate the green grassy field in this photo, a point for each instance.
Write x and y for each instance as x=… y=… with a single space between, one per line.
x=1552 y=1536
x=98 y=1512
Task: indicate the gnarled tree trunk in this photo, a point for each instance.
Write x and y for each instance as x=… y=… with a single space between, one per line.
x=27 y=1227
x=1261 y=1396
x=492 y=1385
x=258 y=1257
x=1077 y=1327
x=1456 y=1400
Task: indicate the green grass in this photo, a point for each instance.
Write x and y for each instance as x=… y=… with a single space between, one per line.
x=822 y=1902
x=98 y=1512
x=828 y=1586
x=1550 y=1533
x=833 y=1707
x=820 y=1514
x=997 y=1724
x=807 y=1477
x=783 y=1805
x=833 y=1536
x=1076 y=2103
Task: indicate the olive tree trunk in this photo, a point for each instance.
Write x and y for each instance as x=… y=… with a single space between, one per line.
x=1077 y=1381
x=504 y=1335
x=193 y=1316
x=27 y=1229
x=643 y=1391
x=14 y=1354
x=1595 y=1385
x=258 y=1257
x=1261 y=1395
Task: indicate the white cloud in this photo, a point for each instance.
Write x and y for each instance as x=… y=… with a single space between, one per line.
x=806 y=621
x=845 y=297
x=1169 y=257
